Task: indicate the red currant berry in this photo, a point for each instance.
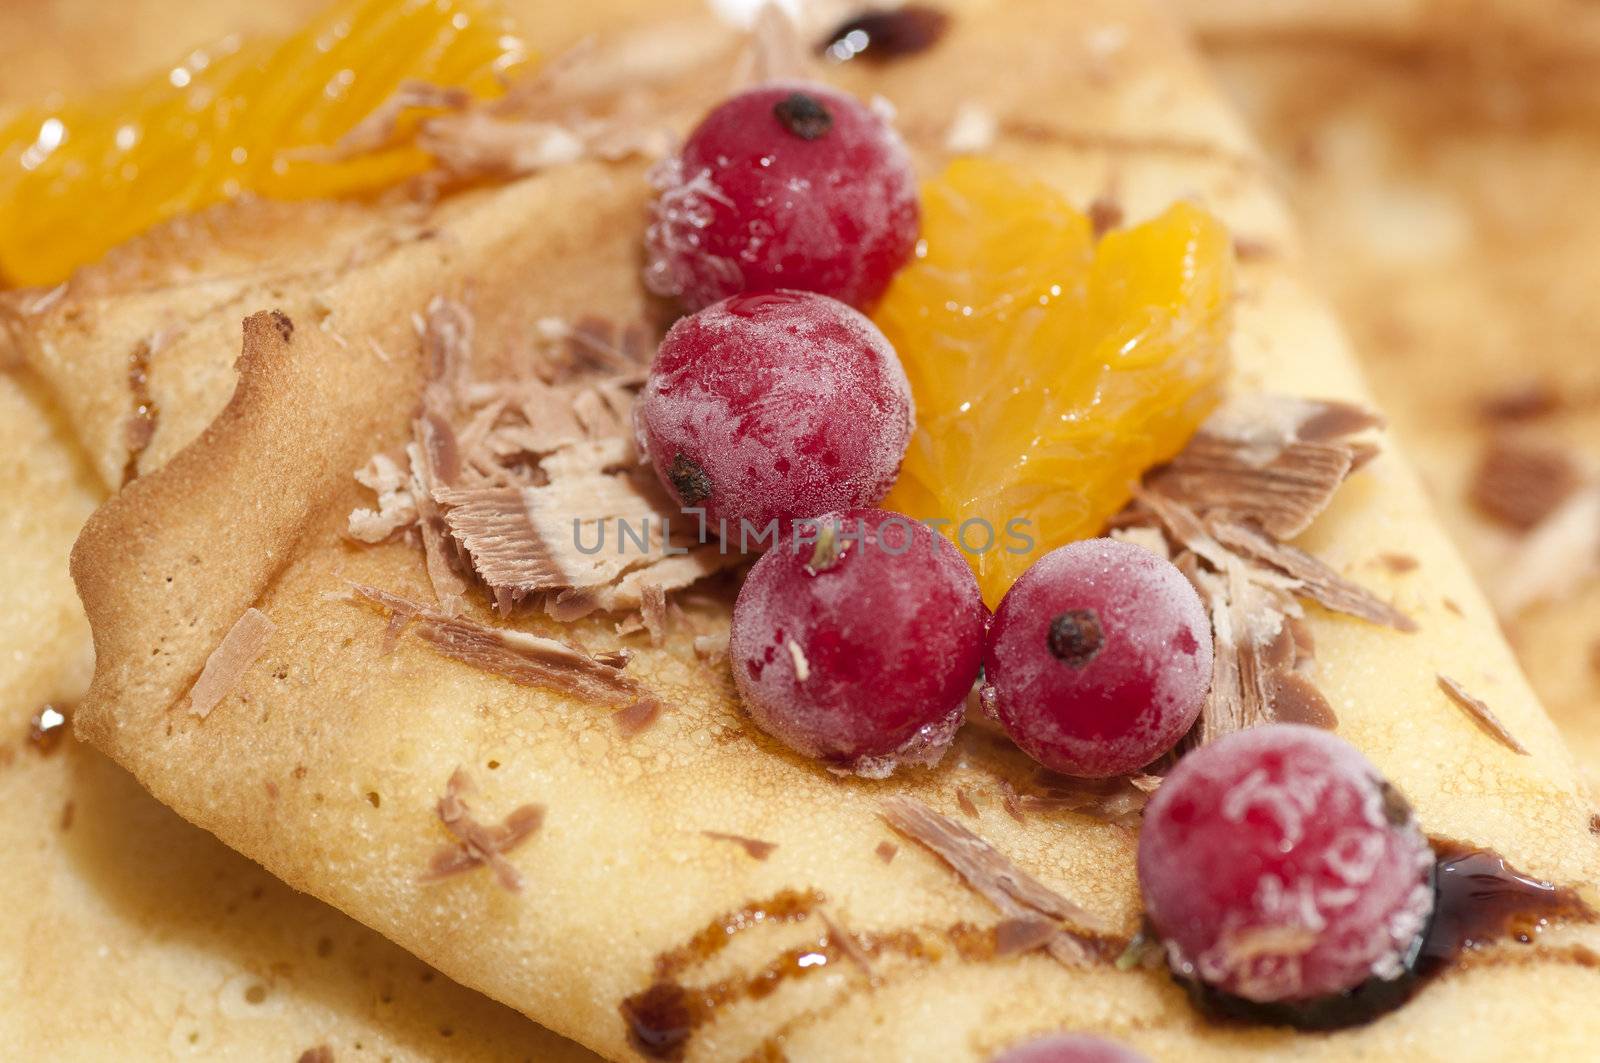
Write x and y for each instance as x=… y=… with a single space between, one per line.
x=1277 y=865
x=857 y=640
x=774 y=407
x=1099 y=660
x=1070 y=1048
x=784 y=186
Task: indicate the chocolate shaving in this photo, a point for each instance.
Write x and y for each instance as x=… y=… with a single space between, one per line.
x=848 y=943
x=381 y=128
x=226 y=665
x=1117 y=801
x=1295 y=699
x=1519 y=483
x=499 y=470
x=1014 y=936
x=529 y=660
x=1313 y=578
x=1266 y=459
x=653 y=611
x=477 y=844
x=317 y=1054
x=1015 y=893
x=1480 y=714
x=755 y=847
x=964 y=800
x=886 y=851
x=638 y=717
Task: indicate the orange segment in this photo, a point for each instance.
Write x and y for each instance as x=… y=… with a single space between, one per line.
x=79 y=179
x=1050 y=371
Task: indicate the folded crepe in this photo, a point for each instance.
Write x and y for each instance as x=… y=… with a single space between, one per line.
x=115 y=914
x=672 y=854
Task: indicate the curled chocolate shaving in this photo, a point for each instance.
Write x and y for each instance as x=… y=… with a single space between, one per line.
x=994 y=877
x=477 y=844
x=1481 y=714
x=530 y=660
x=653 y=611
x=638 y=717
x=1313 y=578
x=226 y=665
x=1269 y=460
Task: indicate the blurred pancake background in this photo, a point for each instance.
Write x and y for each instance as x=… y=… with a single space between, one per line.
x=1439 y=154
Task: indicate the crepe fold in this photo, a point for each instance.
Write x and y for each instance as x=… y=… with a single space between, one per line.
x=813 y=945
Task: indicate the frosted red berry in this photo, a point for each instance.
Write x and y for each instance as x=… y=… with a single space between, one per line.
x=1070 y=1048
x=784 y=186
x=1277 y=865
x=1099 y=659
x=774 y=407
x=857 y=641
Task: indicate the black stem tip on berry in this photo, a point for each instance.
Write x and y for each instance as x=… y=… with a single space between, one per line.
x=689 y=480
x=1076 y=636
x=804 y=116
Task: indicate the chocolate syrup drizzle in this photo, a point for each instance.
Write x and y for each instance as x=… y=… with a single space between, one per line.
x=1478 y=899
x=883 y=35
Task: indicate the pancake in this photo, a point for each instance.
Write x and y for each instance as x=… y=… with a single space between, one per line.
x=286 y=765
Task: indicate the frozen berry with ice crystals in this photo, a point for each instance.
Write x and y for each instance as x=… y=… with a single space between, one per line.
x=857 y=639
x=1070 y=1048
x=784 y=186
x=774 y=407
x=1277 y=865
x=1099 y=659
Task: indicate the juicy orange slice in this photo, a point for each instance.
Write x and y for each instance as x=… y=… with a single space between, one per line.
x=1050 y=370
x=236 y=118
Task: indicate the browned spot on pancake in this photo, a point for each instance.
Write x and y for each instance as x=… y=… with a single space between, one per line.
x=283 y=324
x=317 y=1054
x=68 y=812
x=1399 y=563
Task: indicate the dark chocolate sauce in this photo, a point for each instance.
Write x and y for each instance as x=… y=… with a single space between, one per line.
x=661 y=1019
x=47 y=727
x=1478 y=899
x=884 y=35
